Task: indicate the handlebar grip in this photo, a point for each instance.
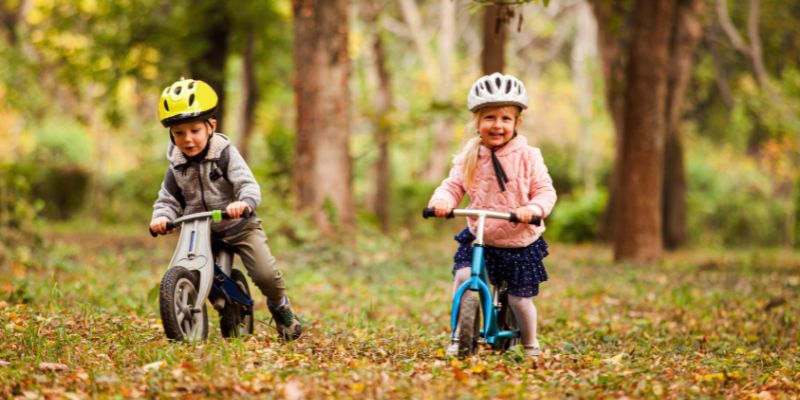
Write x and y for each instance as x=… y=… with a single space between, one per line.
x=534 y=221
x=428 y=212
x=245 y=214
x=170 y=226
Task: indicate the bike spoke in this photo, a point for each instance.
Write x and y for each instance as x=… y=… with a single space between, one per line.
x=185 y=297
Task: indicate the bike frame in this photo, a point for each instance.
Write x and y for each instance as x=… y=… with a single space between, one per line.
x=479 y=282
x=194 y=252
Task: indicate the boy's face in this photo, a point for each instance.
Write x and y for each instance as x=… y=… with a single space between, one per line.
x=497 y=125
x=192 y=137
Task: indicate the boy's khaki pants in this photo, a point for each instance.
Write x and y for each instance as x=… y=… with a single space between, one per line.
x=251 y=245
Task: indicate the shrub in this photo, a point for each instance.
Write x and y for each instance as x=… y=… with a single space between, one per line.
x=576 y=217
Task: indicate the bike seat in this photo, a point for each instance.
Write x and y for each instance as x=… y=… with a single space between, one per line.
x=221 y=245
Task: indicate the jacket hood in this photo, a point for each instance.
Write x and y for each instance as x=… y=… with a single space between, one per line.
x=217 y=143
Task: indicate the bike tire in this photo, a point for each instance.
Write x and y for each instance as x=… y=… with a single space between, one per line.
x=506 y=321
x=469 y=320
x=236 y=320
x=176 y=297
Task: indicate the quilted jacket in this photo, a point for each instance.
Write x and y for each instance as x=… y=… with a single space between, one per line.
x=529 y=185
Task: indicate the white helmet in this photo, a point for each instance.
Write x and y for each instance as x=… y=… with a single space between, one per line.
x=497 y=90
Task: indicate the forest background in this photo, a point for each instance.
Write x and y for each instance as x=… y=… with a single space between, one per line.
x=81 y=138
x=349 y=113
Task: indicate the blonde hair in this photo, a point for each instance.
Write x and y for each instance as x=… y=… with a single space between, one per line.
x=472 y=147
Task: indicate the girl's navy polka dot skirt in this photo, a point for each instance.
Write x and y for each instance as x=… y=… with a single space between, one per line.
x=521 y=268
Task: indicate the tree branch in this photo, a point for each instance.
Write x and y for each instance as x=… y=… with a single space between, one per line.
x=755 y=43
x=729 y=29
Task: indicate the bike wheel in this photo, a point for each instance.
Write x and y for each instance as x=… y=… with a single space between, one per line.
x=506 y=321
x=176 y=298
x=469 y=321
x=236 y=320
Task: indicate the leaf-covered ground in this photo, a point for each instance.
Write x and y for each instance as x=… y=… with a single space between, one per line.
x=81 y=320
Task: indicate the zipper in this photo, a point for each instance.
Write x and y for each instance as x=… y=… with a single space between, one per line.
x=202 y=188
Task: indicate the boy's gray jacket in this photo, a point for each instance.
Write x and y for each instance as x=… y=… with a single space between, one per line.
x=190 y=187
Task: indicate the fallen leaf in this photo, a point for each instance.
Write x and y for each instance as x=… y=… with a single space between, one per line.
x=616 y=360
x=357 y=388
x=46 y=366
x=292 y=391
x=460 y=375
x=153 y=366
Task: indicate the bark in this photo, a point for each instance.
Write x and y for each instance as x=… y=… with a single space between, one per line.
x=613 y=21
x=494 y=40
x=250 y=94
x=687 y=32
x=382 y=200
x=208 y=64
x=639 y=233
x=323 y=165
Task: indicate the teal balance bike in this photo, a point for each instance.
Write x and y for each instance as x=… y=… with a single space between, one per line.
x=487 y=318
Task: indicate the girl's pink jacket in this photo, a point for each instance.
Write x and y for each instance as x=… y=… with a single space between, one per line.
x=529 y=185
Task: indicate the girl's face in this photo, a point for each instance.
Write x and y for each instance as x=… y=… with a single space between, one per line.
x=192 y=137
x=497 y=125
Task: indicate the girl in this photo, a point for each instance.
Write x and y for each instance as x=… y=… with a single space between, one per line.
x=206 y=173
x=500 y=172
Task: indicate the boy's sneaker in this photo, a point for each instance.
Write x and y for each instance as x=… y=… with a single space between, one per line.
x=286 y=321
x=452 y=349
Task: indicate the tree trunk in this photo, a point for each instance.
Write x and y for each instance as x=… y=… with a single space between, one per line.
x=493 y=54
x=250 y=94
x=639 y=231
x=323 y=165
x=209 y=64
x=687 y=32
x=383 y=99
x=612 y=40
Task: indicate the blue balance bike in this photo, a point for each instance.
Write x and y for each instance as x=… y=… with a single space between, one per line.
x=498 y=327
x=202 y=268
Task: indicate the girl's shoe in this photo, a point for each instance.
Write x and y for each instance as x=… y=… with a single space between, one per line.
x=532 y=351
x=452 y=349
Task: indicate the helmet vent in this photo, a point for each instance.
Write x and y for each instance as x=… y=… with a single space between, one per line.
x=488 y=88
x=498 y=82
x=166 y=106
x=191 y=85
x=178 y=90
x=508 y=87
x=191 y=100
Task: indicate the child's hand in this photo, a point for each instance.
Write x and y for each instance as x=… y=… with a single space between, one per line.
x=525 y=214
x=159 y=225
x=236 y=209
x=441 y=208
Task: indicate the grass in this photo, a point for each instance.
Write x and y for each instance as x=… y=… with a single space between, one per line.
x=81 y=320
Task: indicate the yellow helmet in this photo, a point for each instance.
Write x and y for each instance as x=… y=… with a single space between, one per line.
x=186 y=100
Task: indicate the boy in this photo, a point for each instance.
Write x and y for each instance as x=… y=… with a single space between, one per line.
x=206 y=172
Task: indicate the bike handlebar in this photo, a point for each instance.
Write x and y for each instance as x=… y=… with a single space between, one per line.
x=172 y=225
x=428 y=212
